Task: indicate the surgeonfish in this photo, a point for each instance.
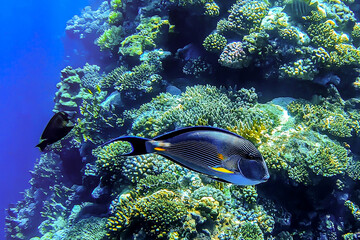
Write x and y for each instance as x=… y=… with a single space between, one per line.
x=57 y=128
x=218 y=153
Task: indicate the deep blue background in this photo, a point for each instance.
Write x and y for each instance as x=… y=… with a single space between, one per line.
x=31 y=57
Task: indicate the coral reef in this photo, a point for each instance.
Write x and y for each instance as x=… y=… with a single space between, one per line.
x=111 y=38
x=149 y=31
x=177 y=63
x=330 y=115
x=90 y=22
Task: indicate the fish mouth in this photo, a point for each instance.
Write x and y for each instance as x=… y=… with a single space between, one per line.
x=266 y=177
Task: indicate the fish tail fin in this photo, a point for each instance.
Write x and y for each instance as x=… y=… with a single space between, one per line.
x=42 y=145
x=138 y=144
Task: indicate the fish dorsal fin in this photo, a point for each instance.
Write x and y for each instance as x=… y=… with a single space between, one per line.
x=191 y=129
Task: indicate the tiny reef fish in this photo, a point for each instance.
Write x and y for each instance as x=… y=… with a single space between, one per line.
x=218 y=153
x=57 y=128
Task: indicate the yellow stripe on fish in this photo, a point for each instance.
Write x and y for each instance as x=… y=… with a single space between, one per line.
x=223 y=170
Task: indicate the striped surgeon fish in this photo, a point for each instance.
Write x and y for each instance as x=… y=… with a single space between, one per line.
x=220 y=154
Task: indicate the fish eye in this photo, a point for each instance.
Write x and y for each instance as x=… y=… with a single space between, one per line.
x=252 y=169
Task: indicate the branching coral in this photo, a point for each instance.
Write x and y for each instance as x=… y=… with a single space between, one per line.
x=302 y=152
x=160 y=212
x=199 y=105
x=302 y=69
x=95 y=117
x=251 y=231
x=109 y=80
x=143 y=78
x=326 y=116
x=108 y=157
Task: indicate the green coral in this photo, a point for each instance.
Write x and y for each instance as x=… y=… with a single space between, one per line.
x=353 y=169
x=289 y=33
x=203 y=105
x=323 y=35
x=116 y=4
x=141 y=77
x=211 y=8
x=247 y=194
x=251 y=231
x=355 y=33
x=153 y=183
x=139 y=167
x=95 y=118
x=303 y=69
x=160 y=212
x=92 y=228
x=345 y=55
x=208 y=191
x=322 y=57
x=355 y=210
x=115 y=18
x=246 y=16
x=111 y=38
x=215 y=42
x=302 y=152
x=326 y=116
x=71 y=93
x=108 y=157
x=110 y=79
x=149 y=31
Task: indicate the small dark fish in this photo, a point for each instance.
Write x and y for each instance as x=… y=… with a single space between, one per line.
x=300 y=8
x=218 y=153
x=57 y=128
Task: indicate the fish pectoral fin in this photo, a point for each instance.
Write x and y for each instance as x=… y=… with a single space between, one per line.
x=221 y=169
x=159 y=149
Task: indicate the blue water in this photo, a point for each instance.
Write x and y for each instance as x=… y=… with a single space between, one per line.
x=31 y=58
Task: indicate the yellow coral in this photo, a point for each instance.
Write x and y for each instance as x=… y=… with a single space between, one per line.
x=212 y=9
x=253 y=132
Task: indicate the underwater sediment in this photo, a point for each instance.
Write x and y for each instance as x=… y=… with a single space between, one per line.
x=283 y=74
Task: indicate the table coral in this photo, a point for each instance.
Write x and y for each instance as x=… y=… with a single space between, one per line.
x=70 y=93
x=149 y=31
x=111 y=38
